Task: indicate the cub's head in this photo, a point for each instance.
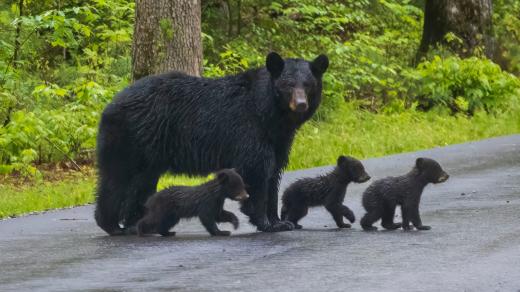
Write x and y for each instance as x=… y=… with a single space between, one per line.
x=232 y=184
x=353 y=169
x=297 y=83
x=431 y=170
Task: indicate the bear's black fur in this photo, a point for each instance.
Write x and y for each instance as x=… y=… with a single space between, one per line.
x=327 y=190
x=165 y=208
x=381 y=197
x=195 y=126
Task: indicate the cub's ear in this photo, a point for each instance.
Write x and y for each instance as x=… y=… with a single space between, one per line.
x=419 y=163
x=274 y=64
x=222 y=176
x=342 y=159
x=319 y=65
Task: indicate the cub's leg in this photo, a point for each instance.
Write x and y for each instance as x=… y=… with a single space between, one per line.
x=146 y=226
x=347 y=213
x=296 y=213
x=167 y=224
x=388 y=216
x=226 y=216
x=411 y=212
x=336 y=211
x=372 y=215
x=210 y=224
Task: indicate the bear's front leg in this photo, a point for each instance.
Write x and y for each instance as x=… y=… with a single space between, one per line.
x=272 y=205
x=256 y=206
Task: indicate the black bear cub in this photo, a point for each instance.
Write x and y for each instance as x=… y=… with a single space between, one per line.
x=327 y=190
x=382 y=196
x=164 y=209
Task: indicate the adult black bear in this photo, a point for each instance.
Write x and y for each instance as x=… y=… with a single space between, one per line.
x=195 y=126
x=326 y=190
x=164 y=209
x=381 y=197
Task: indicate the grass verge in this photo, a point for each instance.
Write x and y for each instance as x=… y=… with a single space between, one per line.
x=346 y=131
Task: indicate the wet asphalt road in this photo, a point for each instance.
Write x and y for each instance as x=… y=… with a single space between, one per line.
x=474 y=244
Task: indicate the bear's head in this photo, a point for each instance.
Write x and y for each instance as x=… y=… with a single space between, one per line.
x=297 y=82
x=352 y=169
x=232 y=184
x=431 y=170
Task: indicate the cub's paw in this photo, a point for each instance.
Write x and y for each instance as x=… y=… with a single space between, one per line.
x=344 y=225
x=350 y=217
x=423 y=227
x=222 y=233
x=297 y=226
x=393 y=226
x=407 y=227
x=168 y=233
x=369 y=228
x=278 y=227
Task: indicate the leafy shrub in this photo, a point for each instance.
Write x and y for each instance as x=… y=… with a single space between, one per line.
x=506 y=21
x=464 y=85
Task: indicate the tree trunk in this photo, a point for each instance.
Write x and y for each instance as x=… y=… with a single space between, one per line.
x=17 y=43
x=167 y=36
x=469 y=20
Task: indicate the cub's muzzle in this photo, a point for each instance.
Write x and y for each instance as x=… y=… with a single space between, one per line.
x=444 y=177
x=364 y=178
x=242 y=196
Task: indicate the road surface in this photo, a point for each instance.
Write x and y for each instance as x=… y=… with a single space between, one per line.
x=474 y=244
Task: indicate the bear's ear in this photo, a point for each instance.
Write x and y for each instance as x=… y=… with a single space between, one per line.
x=274 y=64
x=222 y=177
x=320 y=65
x=419 y=163
x=342 y=159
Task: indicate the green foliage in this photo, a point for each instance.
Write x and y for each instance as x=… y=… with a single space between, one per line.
x=17 y=200
x=71 y=61
x=465 y=85
x=506 y=20
x=74 y=55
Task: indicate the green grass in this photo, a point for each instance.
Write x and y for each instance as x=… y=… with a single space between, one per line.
x=17 y=200
x=346 y=131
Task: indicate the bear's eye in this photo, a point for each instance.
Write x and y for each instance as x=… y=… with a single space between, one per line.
x=308 y=84
x=287 y=83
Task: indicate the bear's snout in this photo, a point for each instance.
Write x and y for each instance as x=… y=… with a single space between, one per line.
x=298 y=101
